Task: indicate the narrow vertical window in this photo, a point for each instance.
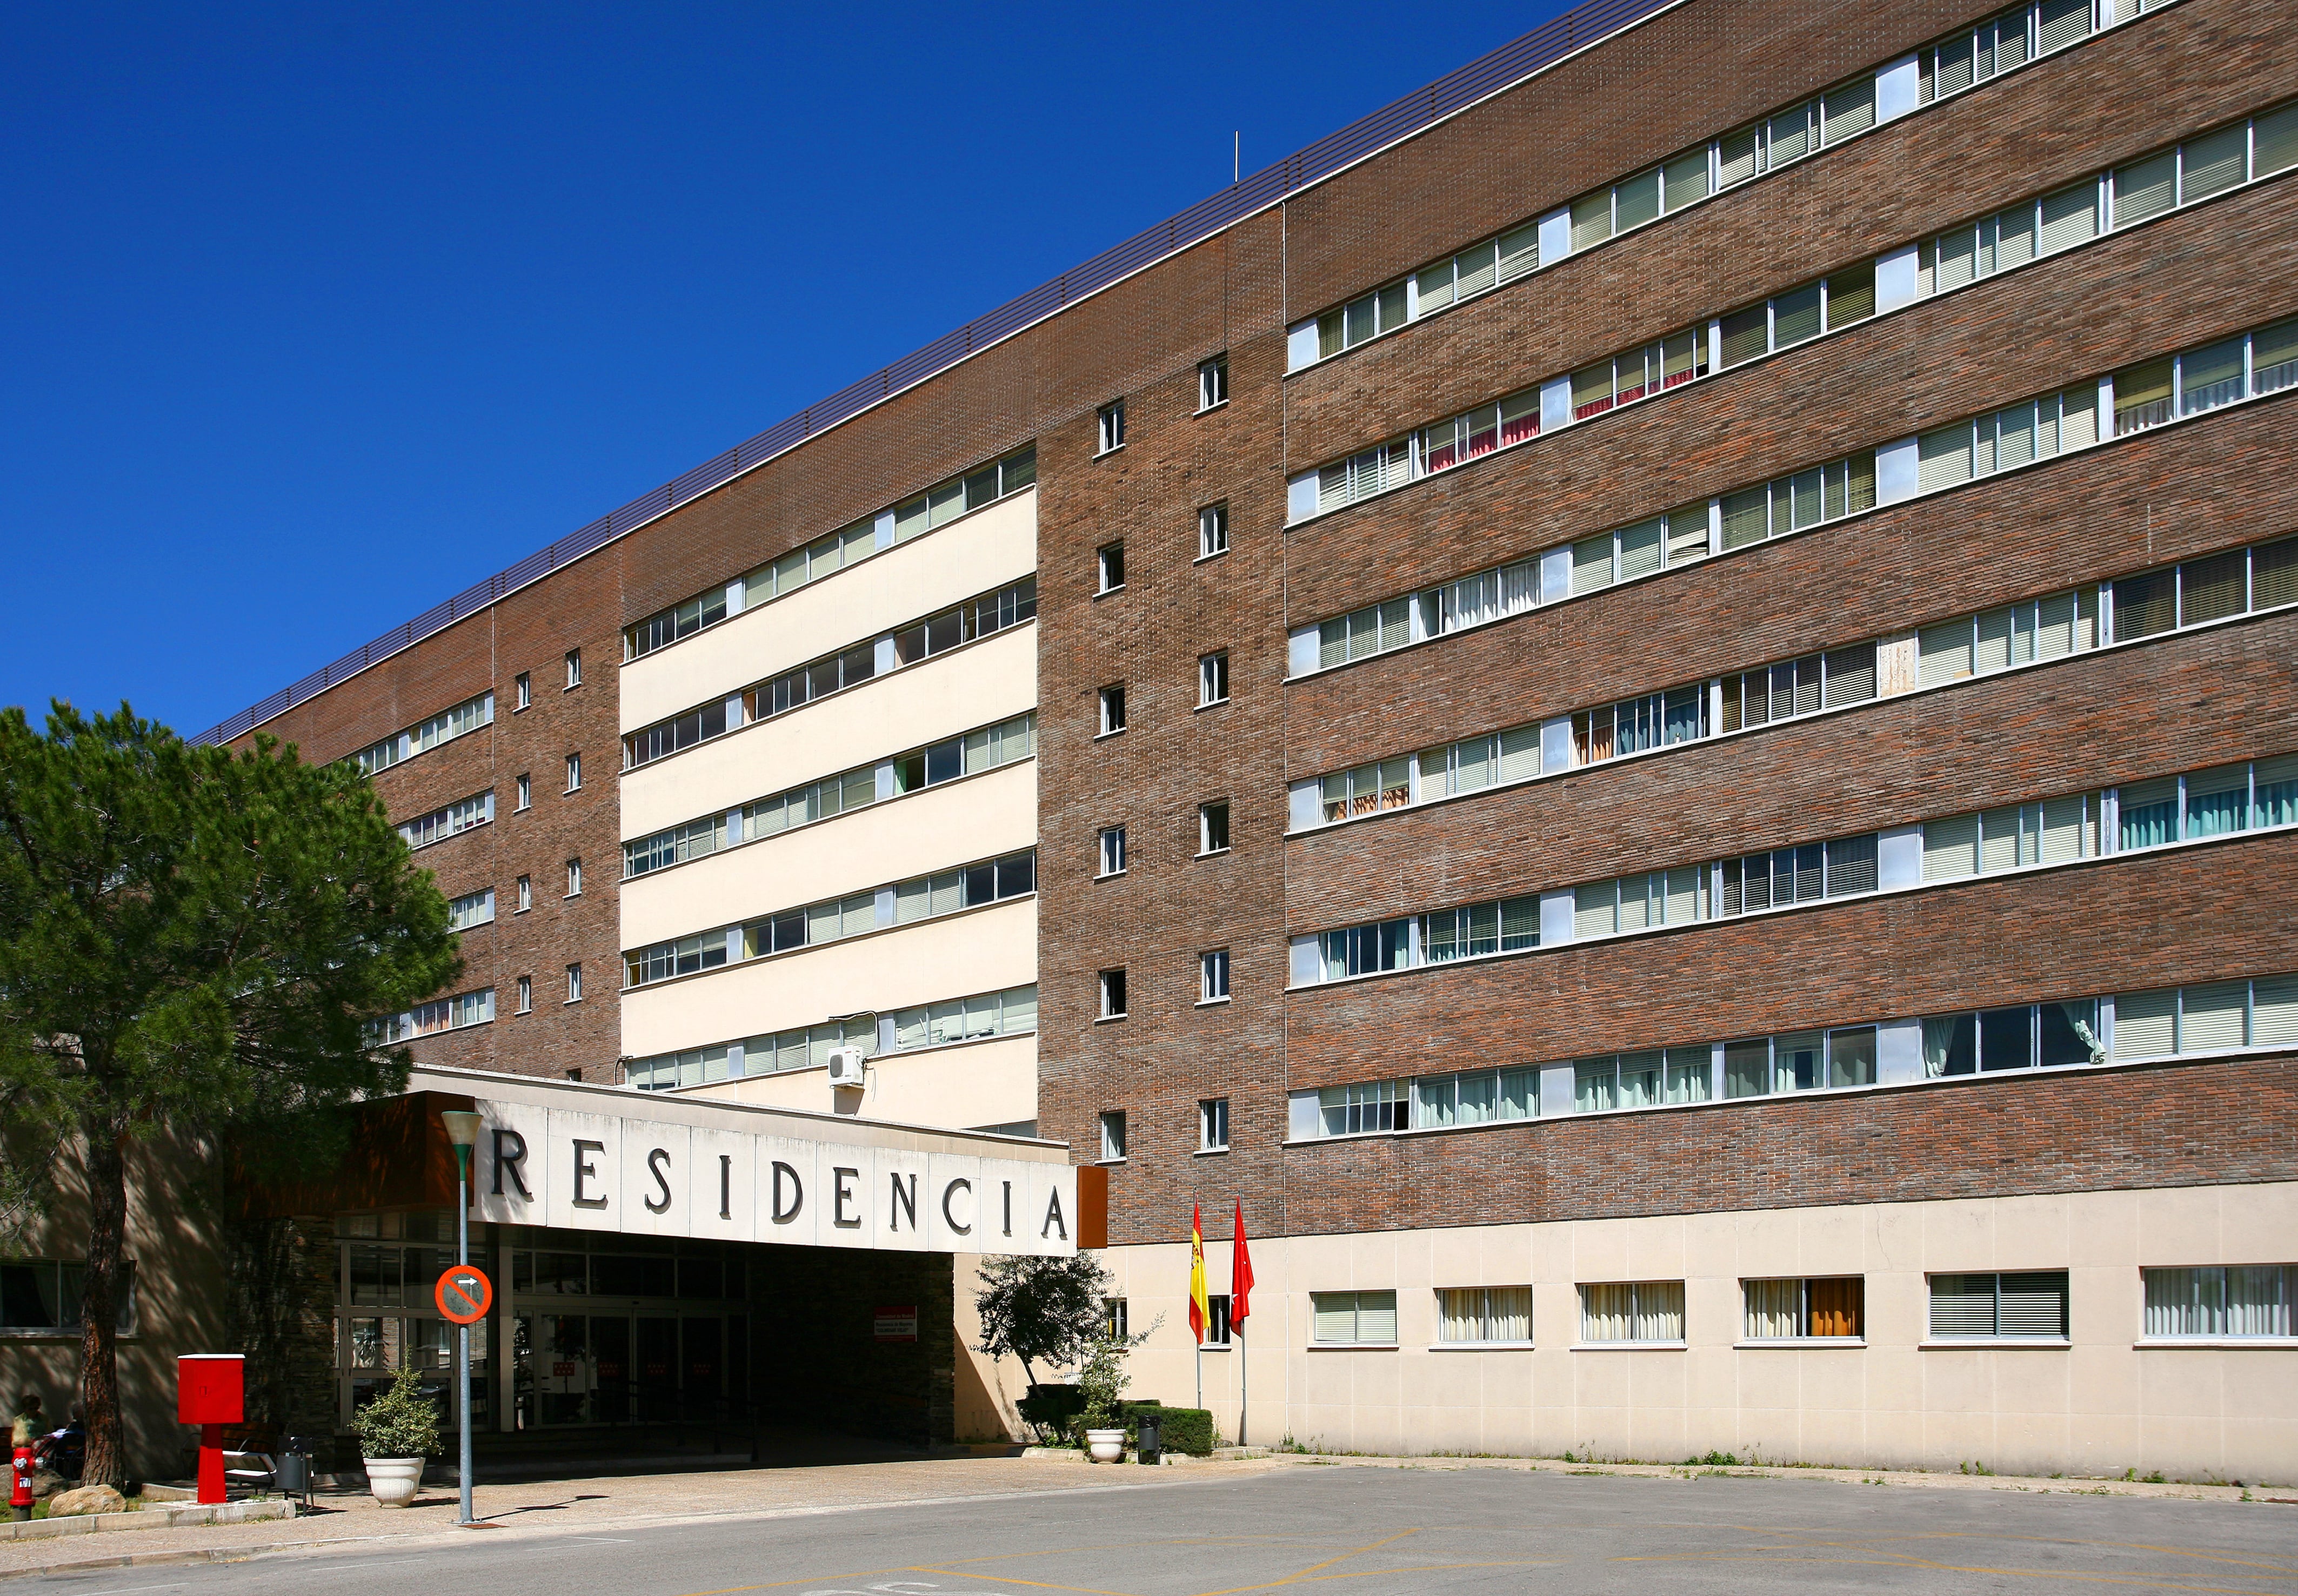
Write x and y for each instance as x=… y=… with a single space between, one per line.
x=1109 y=567
x=574 y=668
x=1112 y=851
x=1212 y=382
x=1212 y=679
x=525 y=685
x=525 y=895
x=1212 y=976
x=574 y=984
x=1212 y=531
x=527 y=994
x=1112 y=427
x=574 y=877
x=1212 y=1125
x=1113 y=709
x=525 y=791
x=1113 y=1008
x=574 y=772
x=1212 y=826
x=1112 y=1146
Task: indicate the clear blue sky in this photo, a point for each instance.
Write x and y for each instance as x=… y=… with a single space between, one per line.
x=315 y=315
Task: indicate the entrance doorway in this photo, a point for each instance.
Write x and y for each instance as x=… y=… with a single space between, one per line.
x=647 y=1364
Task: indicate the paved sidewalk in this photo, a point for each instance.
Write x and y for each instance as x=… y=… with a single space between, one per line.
x=598 y=1505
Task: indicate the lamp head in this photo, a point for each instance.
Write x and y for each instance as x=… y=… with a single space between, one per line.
x=462 y=1126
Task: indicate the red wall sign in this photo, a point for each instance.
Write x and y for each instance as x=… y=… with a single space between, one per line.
x=896 y=1324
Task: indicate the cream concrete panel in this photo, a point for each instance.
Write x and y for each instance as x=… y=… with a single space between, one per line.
x=995 y=812
x=992 y=1082
x=981 y=683
x=977 y=952
x=985 y=550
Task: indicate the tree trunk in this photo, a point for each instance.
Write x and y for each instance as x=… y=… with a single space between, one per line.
x=100 y=1292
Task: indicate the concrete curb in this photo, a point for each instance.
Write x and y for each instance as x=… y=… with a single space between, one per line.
x=1918 y=1478
x=159 y=1516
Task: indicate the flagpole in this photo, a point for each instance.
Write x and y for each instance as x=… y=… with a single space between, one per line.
x=1241 y=1365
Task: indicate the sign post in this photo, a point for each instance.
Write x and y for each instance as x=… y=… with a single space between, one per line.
x=464 y=1285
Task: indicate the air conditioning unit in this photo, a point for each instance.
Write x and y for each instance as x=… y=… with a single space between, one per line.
x=846 y=1065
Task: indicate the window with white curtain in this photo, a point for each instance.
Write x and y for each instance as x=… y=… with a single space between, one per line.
x=1485 y=1315
x=1647 y=1312
x=1354 y=1318
x=2023 y=1306
x=2237 y=1302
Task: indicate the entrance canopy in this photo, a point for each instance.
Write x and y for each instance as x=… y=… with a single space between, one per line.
x=576 y=1156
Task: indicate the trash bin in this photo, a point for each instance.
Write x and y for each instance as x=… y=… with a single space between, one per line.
x=1148 y=1449
x=291 y=1474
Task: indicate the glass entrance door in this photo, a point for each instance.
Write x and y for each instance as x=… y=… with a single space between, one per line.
x=701 y=1381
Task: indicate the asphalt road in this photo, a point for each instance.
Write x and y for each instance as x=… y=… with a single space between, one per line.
x=1370 y=1532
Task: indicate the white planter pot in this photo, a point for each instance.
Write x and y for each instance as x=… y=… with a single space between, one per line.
x=1105 y=1447
x=394 y=1480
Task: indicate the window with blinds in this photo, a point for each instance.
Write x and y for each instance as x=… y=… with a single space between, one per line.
x=1352 y=1318
x=1647 y=1312
x=1832 y=1308
x=2238 y=1301
x=1474 y=1098
x=1993 y=1307
x=1485 y=1315
x=2212 y=1016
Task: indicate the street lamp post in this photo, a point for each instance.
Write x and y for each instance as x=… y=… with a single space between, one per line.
x=463 y=1131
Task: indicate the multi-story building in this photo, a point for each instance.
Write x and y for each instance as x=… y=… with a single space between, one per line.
x=1644 y=703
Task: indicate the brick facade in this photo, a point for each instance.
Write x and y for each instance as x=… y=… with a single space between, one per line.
x=2174 y=704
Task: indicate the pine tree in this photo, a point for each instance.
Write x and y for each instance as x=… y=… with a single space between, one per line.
x=192 y=942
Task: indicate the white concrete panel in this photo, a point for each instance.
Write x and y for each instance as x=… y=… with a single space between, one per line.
x=656 y=1169
x=583 y=1153
x=977 y=951
x=724 y=1185
x=992 y=813
x=993 y=1082
x=974 y=685
x=983 y=551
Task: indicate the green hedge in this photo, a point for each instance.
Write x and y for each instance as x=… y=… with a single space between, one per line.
x=1189 y=1430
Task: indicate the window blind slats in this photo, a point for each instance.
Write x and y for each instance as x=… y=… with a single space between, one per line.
x=2145 y=1024
x=2211 y=1018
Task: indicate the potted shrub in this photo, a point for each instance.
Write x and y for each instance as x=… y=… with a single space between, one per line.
x=1102 y=1380
x=396 y=1432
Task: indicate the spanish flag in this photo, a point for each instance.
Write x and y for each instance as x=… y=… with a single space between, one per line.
x=1200 y=1311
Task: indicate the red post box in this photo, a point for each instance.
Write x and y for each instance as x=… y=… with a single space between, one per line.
x=211 y=1392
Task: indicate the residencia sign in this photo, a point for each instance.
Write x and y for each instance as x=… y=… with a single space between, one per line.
x=594 y=1172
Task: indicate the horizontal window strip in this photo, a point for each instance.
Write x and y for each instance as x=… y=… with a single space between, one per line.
x=426 y=1019
x=2121 y=610
x=985 y=616
x=1907 y=275
x=825 y=556
x=1013 y=1012
x=970 y=753
x=454 y=820
x=902 y=903
x=1963 y=61
x=444 y=727
x=2221 y=1017
x=2222 y=800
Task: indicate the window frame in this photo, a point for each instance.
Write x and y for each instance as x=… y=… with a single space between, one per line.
x=523 y=687
x=1112 y=996
x=1213 y=971
x=575 y=981
x=573 y=669
x=1109 y=422
x=1108 y=558
x=1113 y=1143
x=1212 y=1125
x=1111 y=702
x=1212 y=382
x=525 y=791
x=1213 y=815
x=1357 y=1308
x=1934 y=1337
x=1212 y=531
x=1485 y=1316
x=573 y=773
x=1212 y=679
x=1109 y=855
x=1803 y=1335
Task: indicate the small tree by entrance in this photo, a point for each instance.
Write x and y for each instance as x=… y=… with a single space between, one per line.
x=1041 y=1310
x=196 y=941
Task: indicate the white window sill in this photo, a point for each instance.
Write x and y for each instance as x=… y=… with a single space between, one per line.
x=1108 y=875
x=516 y=1012
x=1210 y=852
x=1109 y=1163
x=1114 y=731
x=2219 y=1343
x=570 y=1002
x=1103 y=454
x=1215 y=555
x=1798 y=1342
x=1105 y=592
x=1995 y=1343
x=1630 y=1346
x=1210 y=1002
x=1209 y=1153
x=1208 y=409
x=1110 y=1019
x=1352 y=1346
x=1480 y=1346
x=1212 y=705
x=1217 y=1346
